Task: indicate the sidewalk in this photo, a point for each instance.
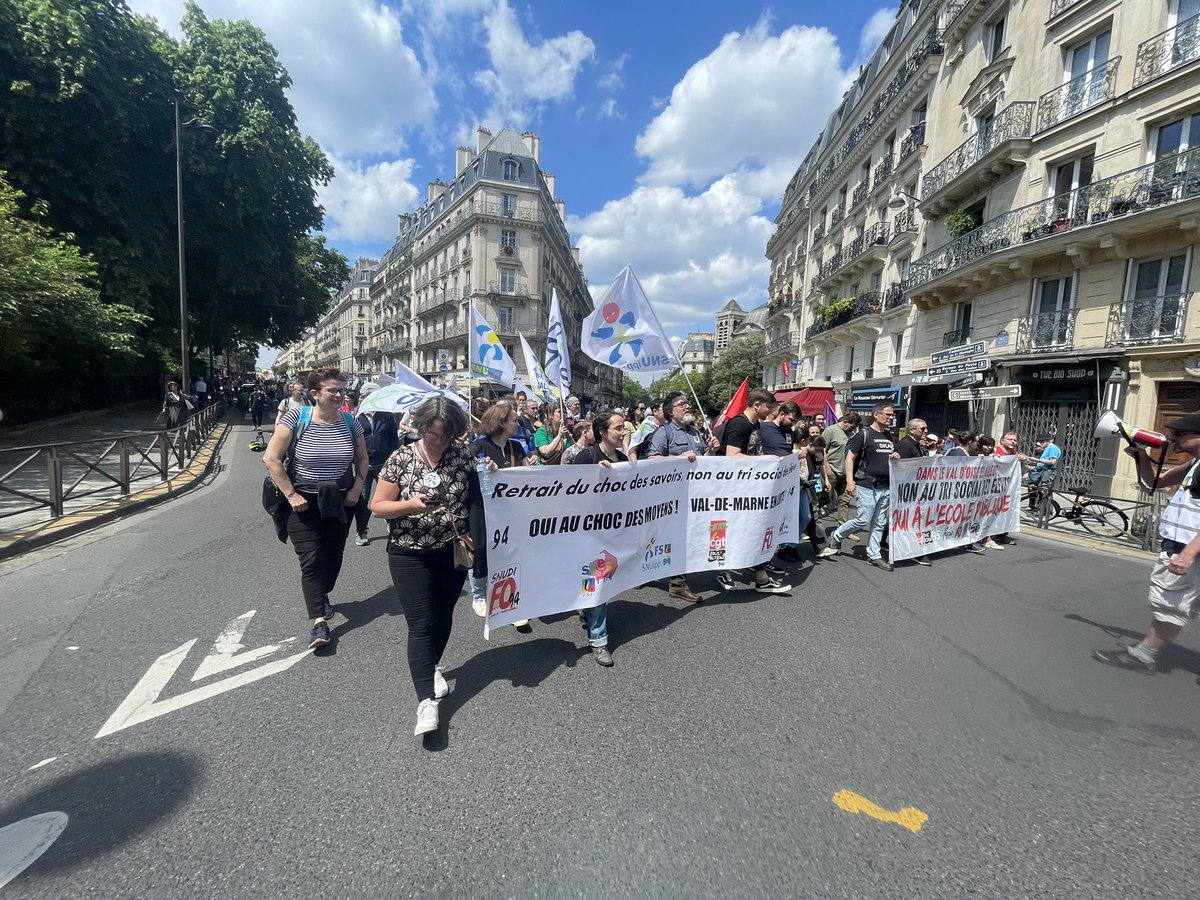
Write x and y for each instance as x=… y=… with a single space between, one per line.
x=25 y=528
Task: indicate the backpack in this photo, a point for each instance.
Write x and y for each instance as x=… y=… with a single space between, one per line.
x=303 y=420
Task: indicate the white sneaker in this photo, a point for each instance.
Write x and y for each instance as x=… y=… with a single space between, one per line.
x=479 y=606
x=440 y=688
x=427 y=717
x=827 y=552
x=991 y=545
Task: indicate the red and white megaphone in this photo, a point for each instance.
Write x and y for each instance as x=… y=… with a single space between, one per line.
x=1110 y=425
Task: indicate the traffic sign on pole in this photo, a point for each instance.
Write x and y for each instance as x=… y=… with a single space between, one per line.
x=955 y=354
x=986 y=393
x=970 y=365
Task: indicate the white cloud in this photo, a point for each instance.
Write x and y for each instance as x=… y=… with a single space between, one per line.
x=525 y=75
x=756 y=102
x=874 y=32
x=614 y=79
x=691 y=253
x=356 y=85
x=362 y=201
x=608 y=109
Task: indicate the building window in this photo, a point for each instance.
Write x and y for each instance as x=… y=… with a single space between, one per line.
x=361 y=313
x=506 y=318
x=362 y=329
x=1176 y=137
x=1052 y=313
x=1087 y=73
x=508 y=242
x=1154 y=307
x=511 y=170
x=995 y=38
x=1068 y=178
x=508 y=281
x=508 y=204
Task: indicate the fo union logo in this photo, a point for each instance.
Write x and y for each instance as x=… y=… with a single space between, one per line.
x=504 y=594
x=768 y=539
x=717 y=532
x=597 y=571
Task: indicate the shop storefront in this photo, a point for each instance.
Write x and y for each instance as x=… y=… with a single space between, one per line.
x=863 y=400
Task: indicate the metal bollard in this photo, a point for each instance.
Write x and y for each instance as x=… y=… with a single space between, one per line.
x=54 y=471
x=124 y=478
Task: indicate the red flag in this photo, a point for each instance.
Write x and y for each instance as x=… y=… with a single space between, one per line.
x=737 y=404
x=787 y=369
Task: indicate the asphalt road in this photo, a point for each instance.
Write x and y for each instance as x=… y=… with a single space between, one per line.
x=704 y=764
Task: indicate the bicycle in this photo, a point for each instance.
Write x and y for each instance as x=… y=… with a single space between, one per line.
x=1097 y=517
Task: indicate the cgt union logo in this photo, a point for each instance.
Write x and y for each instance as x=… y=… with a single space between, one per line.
x=717 y=532
x=598 y=570
x=504 y=594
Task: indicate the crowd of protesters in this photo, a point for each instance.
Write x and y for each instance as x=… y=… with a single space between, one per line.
x=423 y=474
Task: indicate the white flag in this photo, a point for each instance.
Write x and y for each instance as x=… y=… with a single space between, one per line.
x=488 y=357
x=624 y=332
x=407 y=392
x=536 y=373
x=558 y=359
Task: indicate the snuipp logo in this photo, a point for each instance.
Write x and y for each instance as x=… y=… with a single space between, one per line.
x=598 y=570
x=656 y=556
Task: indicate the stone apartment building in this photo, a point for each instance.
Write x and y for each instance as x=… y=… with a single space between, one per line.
x=1021 y=175
x=492 y=236
x=342 y=335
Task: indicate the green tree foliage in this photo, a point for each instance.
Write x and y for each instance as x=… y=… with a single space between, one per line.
x=87 y=119
x=739 y=360
x=632 y=392
x=52 y=319
x=675 y=381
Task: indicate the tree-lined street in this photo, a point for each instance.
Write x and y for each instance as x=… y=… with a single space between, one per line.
x=706 y=762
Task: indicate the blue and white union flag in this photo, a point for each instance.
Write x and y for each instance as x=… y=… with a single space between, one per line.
x=624 y=332
x=558 y=360
x=489 y=360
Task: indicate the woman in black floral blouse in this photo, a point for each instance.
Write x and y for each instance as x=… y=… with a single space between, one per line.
x=425 y=490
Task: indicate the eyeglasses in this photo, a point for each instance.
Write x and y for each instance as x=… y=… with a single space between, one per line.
x=337 y=390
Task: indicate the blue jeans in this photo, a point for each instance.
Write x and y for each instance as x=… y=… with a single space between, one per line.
x=597 y=625
x=873 y=506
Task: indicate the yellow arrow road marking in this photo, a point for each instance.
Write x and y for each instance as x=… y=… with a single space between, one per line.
x=909 y=817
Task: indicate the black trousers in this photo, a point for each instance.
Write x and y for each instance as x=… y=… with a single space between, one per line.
x=319 y=543
x=428 y=586
x=362 y=512
x=256 y=415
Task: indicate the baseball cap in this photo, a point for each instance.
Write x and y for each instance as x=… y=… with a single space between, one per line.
x=931 y=437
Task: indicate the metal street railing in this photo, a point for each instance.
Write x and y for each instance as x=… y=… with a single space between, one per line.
x=75 y=475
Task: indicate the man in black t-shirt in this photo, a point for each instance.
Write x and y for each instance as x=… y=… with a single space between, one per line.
x=867 y=479
x=735 y=441
x=909 y=447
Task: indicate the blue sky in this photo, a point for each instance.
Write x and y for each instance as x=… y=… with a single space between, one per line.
x=672 y=128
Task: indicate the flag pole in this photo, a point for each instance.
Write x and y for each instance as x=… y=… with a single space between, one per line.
x=696 y=397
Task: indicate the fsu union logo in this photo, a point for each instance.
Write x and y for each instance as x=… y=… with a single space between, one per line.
x=656 y=556
x=504 y=594
x=717 y=529
x=598 y=570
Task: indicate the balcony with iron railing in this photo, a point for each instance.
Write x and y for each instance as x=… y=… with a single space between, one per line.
x=1059 y=7
x=860 y=193
x=1147 y=321
x=885 y=168
x=905 y=223
x=842 y=312
x=787 y=342
x=871 y=244
x=956 y=337
x=1167 y=51
x=515 y=289
x=1078 y=95
x=1032 y=230
x=837 y=214
x=912 y=141
x=1047 y=332
x=894 y=297
x=818 y=232
x=894 y=369
x=913 y=74
x=985 y=156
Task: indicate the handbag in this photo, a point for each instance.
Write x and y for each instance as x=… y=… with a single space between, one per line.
x=464 y=553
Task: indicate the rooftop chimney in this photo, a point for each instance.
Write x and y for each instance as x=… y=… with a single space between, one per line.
x=534 y=143
x=462 y=159
x=482 y=137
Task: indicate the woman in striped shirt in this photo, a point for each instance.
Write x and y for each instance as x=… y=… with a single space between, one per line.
x=318 y=459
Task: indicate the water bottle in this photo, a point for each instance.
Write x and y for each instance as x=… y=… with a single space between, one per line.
x=481 y=468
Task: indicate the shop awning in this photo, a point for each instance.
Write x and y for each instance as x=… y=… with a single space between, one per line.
x=811 y=400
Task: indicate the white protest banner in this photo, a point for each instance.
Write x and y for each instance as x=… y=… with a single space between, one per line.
x=568 y=537
x=938 y=504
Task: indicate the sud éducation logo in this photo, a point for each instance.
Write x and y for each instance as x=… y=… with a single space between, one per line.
x=598 y=570
x=657 y=556
x=717 y=531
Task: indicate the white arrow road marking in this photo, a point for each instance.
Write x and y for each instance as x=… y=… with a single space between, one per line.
x=21 y=843
x=44 y=762
x=143 y=704
x=224 y=654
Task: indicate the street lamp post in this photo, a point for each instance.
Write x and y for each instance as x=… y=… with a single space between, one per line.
x=183 y=304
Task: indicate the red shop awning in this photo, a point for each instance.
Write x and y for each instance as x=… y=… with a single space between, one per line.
x=811 y=400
